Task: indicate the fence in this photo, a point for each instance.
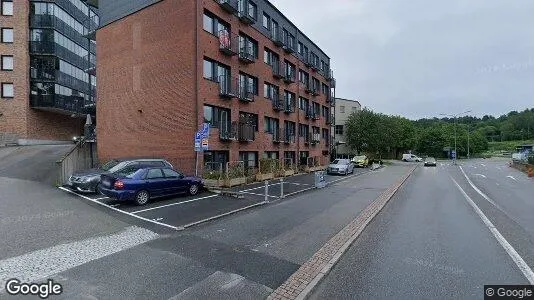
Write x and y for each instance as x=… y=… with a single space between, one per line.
x=82 y=156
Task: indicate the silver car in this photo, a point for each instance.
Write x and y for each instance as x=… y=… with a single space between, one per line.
x=341 y=166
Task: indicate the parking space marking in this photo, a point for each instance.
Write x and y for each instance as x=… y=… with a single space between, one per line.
x=114 y=205
x=173 y=204
x=102 y=198
x=299 y=183
x=262 y=195
x=118 y=210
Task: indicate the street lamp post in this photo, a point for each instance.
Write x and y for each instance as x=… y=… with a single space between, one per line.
x=455 y=123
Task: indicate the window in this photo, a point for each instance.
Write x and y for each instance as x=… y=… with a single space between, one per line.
x=249 y=119
x=342 y=109
x=7 y=35
x=290 y=98
x=249 y=81
x=274 y=28
x=325 y=134
x=215 y=71
x=214 y=25
x=316 y=85
x=270 y=154
x=290 y=41
x=154 y=174
x=7 y=63
x=248 y=45
x=266 y=21
x=316 y=108
x=270 y=57
x=303 y=130
x=304 y=103
x=289 y=128
x=325 y=89
x=217 y=117
x=304 y=78
x=300 y=48
x=270 y=125
x=339 y=129
x=270 y=91
x=170 y=173
x=290 y=69
x=7 y=8
x=7 y=90
x=208 y=70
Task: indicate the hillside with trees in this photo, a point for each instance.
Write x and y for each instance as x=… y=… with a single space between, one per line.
x=389 y=136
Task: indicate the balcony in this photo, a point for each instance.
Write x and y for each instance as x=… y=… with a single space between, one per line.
x=289 y=48
x=51 y=21
x=228 y=5
x=66 y=105
x=315 y=138
x=277 y=136
x=246 y=15
x=278 y=70
x=246 y=55
x=277 y=102
x=307 y=61
x=309 y=113
x=314 y=91
x=228 y=43
x=246 y=132
x=307 y=139
x=277 y=38
x=329 y=120
x=246 y=93
x=289 y=137
x=307 y=88
x=289 y=106
x=314 y=66
x=289 y=77
x=60 y=51
x=228 y=132
x=315 y=115
x=227 y=87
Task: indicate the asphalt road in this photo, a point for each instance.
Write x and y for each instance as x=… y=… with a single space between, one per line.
x=429 y=243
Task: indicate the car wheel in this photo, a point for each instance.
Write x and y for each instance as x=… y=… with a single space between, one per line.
x=142 y=198
x=193 y=189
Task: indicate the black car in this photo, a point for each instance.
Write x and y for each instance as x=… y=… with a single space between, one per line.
x=87 y=180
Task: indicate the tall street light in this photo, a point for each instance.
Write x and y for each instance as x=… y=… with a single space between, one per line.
x=455 y=116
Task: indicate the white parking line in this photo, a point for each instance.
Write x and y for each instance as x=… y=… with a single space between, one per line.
x=299 y=183
x=102 y=198
x=118 y=210
x=248 y=193
x=173 y=204
x=521 y=264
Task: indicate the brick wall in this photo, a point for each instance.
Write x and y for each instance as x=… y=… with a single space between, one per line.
x=146 y=104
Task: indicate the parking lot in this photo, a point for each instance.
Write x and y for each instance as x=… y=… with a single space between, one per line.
x=180 y=212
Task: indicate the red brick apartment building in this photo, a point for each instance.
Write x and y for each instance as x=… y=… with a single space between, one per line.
x=166 y=67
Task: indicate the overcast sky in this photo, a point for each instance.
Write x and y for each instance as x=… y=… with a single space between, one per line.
x=420 y=58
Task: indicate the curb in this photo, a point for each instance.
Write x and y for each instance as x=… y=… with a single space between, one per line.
x=301 y=283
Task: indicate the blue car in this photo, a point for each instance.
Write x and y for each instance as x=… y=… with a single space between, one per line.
x=147 y=183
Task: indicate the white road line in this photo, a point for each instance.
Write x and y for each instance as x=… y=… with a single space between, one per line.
x=158 y=219
x=481 y=175
x=118 y=210
x=298 y=183
x=483 y=165
x=44 y=263
x=511 y=177
x=102 y=198
x=114 y=205
x=521 y=264
x=499 y=168
x=173 y=204
x=263 y=195
x=297 y=192
x=473 y=167
x=478 y=190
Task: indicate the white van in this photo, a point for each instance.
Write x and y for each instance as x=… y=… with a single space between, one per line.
x=411 y=157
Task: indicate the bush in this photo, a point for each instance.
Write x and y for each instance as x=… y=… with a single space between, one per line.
x=268 y=165
x=214 y=175
x=235 y=171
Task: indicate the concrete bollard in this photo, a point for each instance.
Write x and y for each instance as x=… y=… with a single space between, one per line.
x=266 y=191
x=282 y=188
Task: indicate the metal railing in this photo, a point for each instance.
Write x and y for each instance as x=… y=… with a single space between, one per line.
x=246 y=92
x=278 y=70
x=246 y=54
x=227 y=86
x=289 y=76
x=228 y=5
x=246 y=132
x=228 y=43
x=68 y=104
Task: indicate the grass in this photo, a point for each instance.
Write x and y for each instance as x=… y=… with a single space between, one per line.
x=507 y=145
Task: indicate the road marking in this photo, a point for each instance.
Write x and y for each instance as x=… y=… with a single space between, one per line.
x=44 y=263
x=483 y=165
x=118 y=210
x=298 y=183
x=499 y=168
x=511 y=177
x=481 y=175
x=102 y=198
x=479 y=191
x=222 y=215
x=173 y=204
x=521 y=264
x=263 y=195
x=158 y=219
x=115 y=205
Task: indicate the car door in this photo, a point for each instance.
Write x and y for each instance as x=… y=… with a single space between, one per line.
x=155 y=182
x=175 y=184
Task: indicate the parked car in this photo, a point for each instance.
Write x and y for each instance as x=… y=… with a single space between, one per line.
x=361 y=161
x=340 y=166
x=430 y=161
x=411 y=158
x=148 y=183
x=86 y=181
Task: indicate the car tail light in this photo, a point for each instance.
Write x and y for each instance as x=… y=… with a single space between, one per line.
x=119 y=185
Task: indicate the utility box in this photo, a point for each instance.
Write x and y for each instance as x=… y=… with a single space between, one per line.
x=320 y=180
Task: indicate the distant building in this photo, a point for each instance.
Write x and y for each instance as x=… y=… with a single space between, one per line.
x=343 y=109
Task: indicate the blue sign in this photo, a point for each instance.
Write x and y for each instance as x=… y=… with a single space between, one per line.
x=202 y=138
x=453 y=154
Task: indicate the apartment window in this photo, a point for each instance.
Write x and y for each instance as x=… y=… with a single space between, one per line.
x=7 y=35
x=325 y=89
x=316 y=108
x=342 y=109
x=325 y=111
x=270 y=90
x=290 y=68
x=316 y=85
x=304 y=77
x=290 y=98
x=270 y=57
x=274 y=28
x=290 y=41
x=339 y=129
x=266 y=21
x=249 y=8
x=249 y=81
x=7 y=90
x=270 y=154
x=289 y=128
x=214 y=25
x=325 y=134
x=249 y=119
x=304 y=52
x=217 y=117
x=304 y=103
x=270 y=125
x=7 y=63
x=7 y=8
x=248 y=45
x=304 y=130
x=300 y=48
x=214 y=70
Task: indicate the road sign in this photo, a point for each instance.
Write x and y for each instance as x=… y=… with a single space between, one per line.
x=453 y=154
x=205 y=143
x=202 y=137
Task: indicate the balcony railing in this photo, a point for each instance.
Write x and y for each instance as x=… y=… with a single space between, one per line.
x=51 y=21
x=329 y=120
x=278 y=70
x=228 y=43
x=277 y=136
x=227 y=87
x=307 y=60
x=314 y=91
x=314 y=66
x=315 y=138
x=58 y=103
x=307 y=88
x=289 y=137
x=246 y=132
x=228 y=5
x=309 y=113
x=315 y=115
x=246 y=15
x=277 y=102
x=289 y=47
x=307 y=138
x=228 y=132
x=289 y=106
x=60 y=51
x=289 y=77
x=246 y=93
x=277 y=38
x=246 y=54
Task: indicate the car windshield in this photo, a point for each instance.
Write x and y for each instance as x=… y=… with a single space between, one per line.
x=118 y=167
x=110 y=164
x=340 y=162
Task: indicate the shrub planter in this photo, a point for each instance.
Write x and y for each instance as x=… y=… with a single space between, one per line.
x=289 y=172
x=263 y=177
x=217 y=183
x=230 y=182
